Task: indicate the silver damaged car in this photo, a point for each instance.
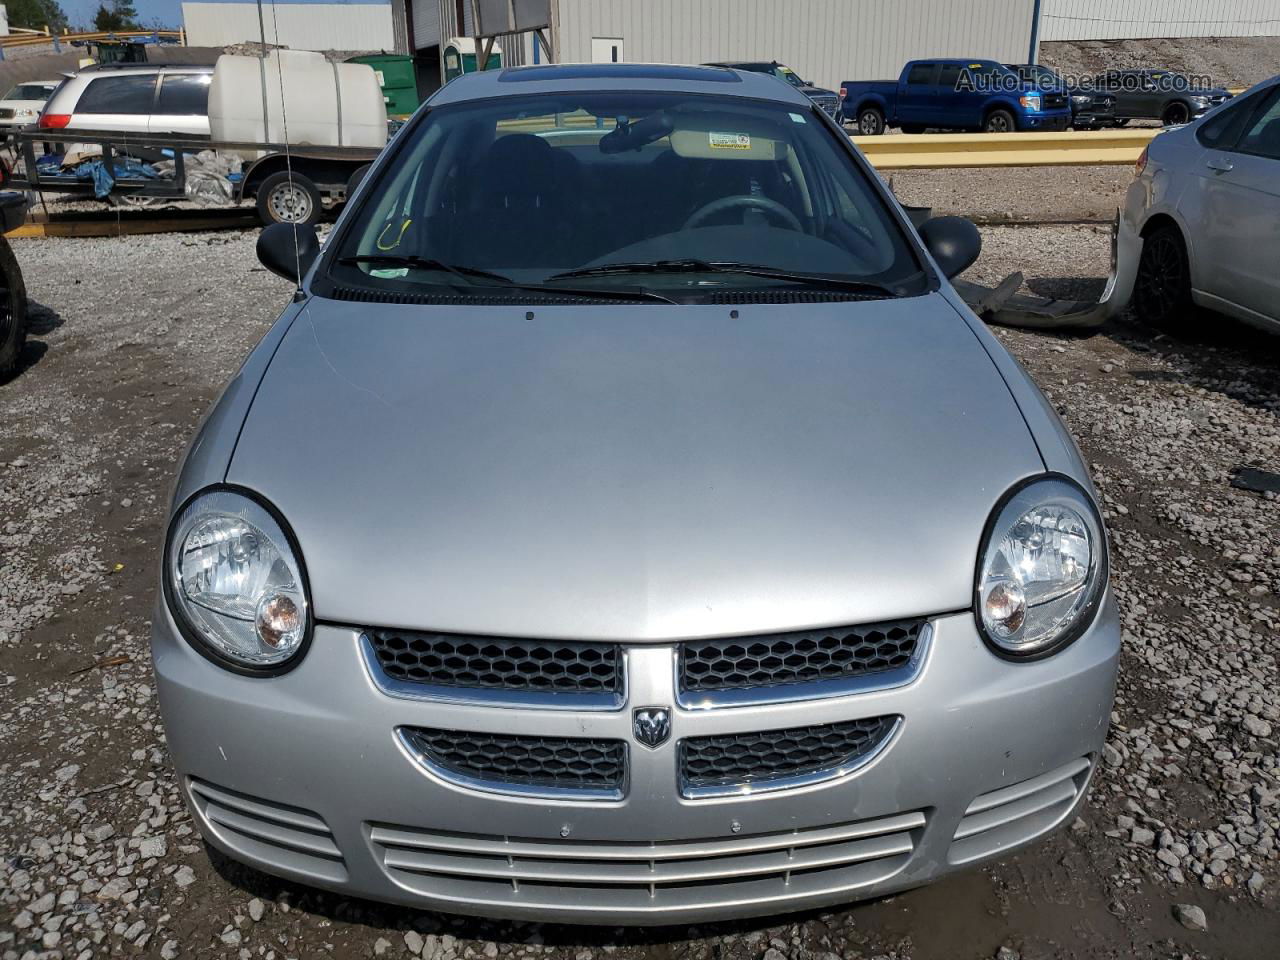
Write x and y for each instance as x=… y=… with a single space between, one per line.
x=627 y=523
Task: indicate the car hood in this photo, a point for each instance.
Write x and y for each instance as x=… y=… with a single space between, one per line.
x=633 y=471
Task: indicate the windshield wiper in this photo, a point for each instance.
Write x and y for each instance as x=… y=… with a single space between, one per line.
x=496 y=279
x=724 y=266
x=424 y=263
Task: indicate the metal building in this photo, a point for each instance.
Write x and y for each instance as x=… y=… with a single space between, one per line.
x=825 y=41
x=352 y=25
x=1142 y=19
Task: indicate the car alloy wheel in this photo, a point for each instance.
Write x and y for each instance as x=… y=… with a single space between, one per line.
x=1176 y=114
x=1163 y=283
x=999 y=122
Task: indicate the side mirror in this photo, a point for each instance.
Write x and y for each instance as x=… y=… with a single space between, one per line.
x=954 y=242
x=288 y=249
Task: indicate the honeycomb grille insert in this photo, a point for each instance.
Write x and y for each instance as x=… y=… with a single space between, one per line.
x=739 y=663
x=778 y=755
x=498 y=663
x=505 y=760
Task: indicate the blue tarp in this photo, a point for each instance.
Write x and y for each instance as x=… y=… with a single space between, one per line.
x=104 y=179
x=50 y=165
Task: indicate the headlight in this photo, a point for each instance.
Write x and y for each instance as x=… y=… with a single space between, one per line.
x=1042 y=568
x=235 y=583
x=1081 y=99
x=1031 y=102
x=24 y=112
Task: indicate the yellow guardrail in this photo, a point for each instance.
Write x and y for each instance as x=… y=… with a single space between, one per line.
x=34 y=39
x=906 y=151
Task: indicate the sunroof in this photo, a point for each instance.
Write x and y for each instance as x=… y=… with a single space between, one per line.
x=618 y=71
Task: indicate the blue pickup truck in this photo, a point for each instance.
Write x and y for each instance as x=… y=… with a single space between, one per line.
x=953 y=95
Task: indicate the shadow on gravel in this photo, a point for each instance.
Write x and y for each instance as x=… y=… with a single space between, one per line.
x=41 y=321
x=1215 y=353
x=389 y=918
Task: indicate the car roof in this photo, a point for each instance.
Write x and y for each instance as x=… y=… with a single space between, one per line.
x=597 y=77
x=959 y=60
x=745 y=64
x=96 y=68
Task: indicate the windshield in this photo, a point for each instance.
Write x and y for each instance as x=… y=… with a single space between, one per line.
x=1036 y=73
x=789 y=75
x=668 y=186
x=29 y=91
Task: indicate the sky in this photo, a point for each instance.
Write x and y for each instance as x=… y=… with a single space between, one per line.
x=165 y=13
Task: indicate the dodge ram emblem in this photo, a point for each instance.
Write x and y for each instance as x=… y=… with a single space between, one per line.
x=652 y=725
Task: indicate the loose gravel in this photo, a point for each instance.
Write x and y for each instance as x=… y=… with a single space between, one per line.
x=1175 y=854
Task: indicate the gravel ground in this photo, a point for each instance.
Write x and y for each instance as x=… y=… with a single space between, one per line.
x=132 y=340
x=1230 y=61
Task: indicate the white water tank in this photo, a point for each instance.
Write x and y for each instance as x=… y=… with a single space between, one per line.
x=298 y=96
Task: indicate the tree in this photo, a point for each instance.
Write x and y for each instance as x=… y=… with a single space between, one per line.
x=36 y=14
x=119 y=15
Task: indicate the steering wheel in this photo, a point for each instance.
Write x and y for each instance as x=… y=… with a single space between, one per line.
x=744 y=201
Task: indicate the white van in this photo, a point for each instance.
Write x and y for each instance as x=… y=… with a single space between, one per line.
x=133 y=98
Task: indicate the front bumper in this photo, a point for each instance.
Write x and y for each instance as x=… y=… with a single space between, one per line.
x=303 y=776
x=1045 y=122
x=1126 y=254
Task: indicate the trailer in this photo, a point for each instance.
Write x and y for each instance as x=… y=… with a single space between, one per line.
x=288 y=184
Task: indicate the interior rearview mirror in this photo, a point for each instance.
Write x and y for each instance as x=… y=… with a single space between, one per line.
x=288 y=249
x=954 y=243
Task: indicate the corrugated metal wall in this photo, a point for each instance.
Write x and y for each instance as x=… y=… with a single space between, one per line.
x=825 y=41
x=1139 y=19
x=299 y=26
x=437 y=19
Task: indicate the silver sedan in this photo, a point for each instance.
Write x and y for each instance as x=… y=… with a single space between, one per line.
x=628 y=523
x=1201 y=221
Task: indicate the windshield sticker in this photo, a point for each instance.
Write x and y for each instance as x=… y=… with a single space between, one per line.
x=729 y=141
x=796 y=118
x=390 y=273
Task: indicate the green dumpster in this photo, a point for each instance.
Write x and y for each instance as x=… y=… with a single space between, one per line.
x=398 y=79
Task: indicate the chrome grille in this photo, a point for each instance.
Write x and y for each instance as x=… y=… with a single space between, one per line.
x=6 y=113
x=774 y=759
x=828 y=105
x=660 y=877
x=506 y=762
x=497 y=663
x=785 y=658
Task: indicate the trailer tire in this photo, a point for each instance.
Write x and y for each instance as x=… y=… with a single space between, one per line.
x=870 y=122
x=13 y=311
x=288 y=198
x=354 y=181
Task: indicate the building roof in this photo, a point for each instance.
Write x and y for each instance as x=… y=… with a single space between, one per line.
x=595 y=77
